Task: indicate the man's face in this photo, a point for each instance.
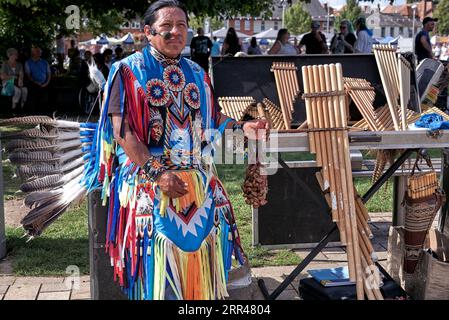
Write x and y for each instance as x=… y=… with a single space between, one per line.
x=173 y=20
x=36 y=52
x=430 y=25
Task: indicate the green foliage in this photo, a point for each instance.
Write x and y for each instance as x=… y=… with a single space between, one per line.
x=297 y=20
x=197 y=21
x=442 y=13
x=351 y=12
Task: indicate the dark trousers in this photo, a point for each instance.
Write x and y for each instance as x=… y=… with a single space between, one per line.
x=37 y=99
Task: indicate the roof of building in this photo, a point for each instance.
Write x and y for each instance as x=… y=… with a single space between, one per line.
x=391 y=20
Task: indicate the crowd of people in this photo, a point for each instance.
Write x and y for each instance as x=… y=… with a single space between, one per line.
x=25 y=76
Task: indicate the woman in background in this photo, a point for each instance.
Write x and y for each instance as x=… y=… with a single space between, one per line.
x=282 y=46
x=231 y=44
x=12 y=74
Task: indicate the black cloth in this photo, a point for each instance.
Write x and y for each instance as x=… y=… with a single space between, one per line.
x=200 y=47
x=420 y=51
x=349 y=38
x=313 y=46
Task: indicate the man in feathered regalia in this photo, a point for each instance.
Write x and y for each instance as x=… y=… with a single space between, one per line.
x=171 y=230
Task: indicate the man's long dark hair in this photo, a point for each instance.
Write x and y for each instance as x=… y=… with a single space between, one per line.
x=151 y=14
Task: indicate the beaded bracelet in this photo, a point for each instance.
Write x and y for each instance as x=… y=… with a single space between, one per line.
x=153 y=169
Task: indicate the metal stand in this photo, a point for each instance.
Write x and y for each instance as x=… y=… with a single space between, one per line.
x=376 y=186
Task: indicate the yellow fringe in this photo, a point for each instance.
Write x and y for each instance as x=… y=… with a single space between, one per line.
x=195 y=194
x=201 y=273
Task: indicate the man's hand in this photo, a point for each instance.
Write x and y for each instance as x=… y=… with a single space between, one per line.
x=257 y=129
x=172 y=185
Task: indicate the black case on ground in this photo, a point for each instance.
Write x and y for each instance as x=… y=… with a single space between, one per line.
x=310 y=289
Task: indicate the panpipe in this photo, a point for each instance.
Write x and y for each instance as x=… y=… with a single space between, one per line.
x=235 y=107
x=274 y=115
x=384 y=120
x=363 y=95
x=328 y=138
x=404 y=83
x=387 y=64
x=371 y=278
x=422 y=201
x=287 y=85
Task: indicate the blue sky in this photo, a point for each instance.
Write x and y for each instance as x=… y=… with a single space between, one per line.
x=382 y=2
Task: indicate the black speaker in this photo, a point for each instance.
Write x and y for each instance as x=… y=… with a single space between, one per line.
x=294 y=215
x=102 y=284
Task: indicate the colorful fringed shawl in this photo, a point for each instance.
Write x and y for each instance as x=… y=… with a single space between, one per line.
x=164 y=248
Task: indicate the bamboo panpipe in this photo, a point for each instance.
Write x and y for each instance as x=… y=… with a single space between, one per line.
x=388 y=69
x=235 y=107
x=275 y=115
x=404 y=81
x=422 y=185
x=363 y=95
x=368 y=254
x=287 y=85
x=326 y=109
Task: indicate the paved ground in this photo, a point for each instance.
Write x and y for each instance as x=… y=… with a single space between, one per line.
x=60 y=288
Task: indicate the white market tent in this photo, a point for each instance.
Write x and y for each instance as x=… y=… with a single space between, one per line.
x=104 y=40
x=221 y=33
x=267 y=34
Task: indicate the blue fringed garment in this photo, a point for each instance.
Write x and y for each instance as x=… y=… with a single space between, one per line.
x=164 y=248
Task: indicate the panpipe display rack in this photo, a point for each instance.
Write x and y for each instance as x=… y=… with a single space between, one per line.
x=287 y=85
x=326 y=117
x=387 y=65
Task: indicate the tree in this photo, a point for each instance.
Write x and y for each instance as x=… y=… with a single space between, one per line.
x=297 y=20
x=23 y=22
x=351 y=12
x=442 y=13
x=196 y=22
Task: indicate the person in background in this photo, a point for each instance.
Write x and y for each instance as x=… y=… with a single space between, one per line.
x=39 y=76
x=423 y=47
x=107 y=55
x=253 y=48
x=215 y=51
x=60 y=51
x=200 y=48
x=72 y=48
x=118 y=54
x=75 y=63
x=364 y=42
x=282 y=45
x=231 y=44
x=315 y=40
x=344 y=41
x=12 y=72
x=84 y=72
x=101 y=65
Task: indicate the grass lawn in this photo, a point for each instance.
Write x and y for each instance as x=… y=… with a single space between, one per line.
x=66 y=241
